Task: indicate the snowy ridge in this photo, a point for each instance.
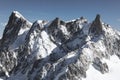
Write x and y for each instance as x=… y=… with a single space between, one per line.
x=17 y=14
x=58 y=50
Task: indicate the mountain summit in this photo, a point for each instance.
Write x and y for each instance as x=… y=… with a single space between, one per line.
x=16 y=26
x=57 y=50
x=96 y=26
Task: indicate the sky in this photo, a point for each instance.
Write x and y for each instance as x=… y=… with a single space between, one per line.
x=64 y=9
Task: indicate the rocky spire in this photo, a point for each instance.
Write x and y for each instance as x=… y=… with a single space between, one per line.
x=96 y=26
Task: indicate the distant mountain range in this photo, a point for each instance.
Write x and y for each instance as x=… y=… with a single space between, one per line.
x=58 y=50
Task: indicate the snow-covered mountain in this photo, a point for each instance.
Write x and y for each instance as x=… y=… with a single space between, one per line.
x=59 y=50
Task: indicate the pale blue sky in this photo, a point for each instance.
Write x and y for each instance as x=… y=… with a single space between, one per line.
x=65 y=9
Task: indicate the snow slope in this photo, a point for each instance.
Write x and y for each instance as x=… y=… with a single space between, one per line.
x=113 y=74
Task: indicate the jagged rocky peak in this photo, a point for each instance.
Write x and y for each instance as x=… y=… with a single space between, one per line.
x=39 y=23
x=55 y=50
x=82 y=20
x=53 y=25
x=17 y=14
x=56 y=22
x=14 y=18
x=57 y=29
x=37 y=27
x=16 y=26
x=75 y=25
x=96 y=26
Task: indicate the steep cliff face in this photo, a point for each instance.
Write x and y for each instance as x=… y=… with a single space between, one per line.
x=56 y=50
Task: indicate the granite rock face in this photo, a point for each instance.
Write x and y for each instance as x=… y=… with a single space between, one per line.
x=96 y=26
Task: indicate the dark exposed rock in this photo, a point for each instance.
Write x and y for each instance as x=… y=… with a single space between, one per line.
x=55 y=23
x=55 y=31
x=102 y=67
x=72 y=27
x=96 y=26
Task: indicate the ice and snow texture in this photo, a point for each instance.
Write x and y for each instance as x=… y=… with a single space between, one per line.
x=42 y=46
